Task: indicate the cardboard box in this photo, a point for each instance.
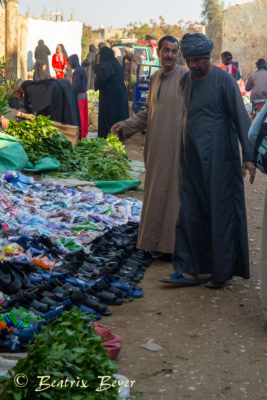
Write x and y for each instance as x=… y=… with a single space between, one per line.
x=70 y=131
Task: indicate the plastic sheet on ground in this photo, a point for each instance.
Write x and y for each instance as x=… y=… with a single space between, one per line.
x=116 y=187
x=82 y=186
x=108 y=187
x=6 y=365
x=44 y=164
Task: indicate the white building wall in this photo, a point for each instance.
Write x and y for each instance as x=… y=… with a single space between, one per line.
x=68 y=33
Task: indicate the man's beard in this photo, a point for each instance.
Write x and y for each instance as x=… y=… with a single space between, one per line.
x=198 y=72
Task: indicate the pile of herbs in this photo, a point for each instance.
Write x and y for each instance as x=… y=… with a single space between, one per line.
x=69 y=349
x=91 y=159
x=103 y=159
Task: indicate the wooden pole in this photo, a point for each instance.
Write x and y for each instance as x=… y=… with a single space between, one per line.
x=11 y=39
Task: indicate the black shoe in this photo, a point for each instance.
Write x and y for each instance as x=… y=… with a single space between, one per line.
x=79 y=297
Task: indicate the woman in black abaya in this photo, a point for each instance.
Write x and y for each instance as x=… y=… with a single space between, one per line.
x=113 y=97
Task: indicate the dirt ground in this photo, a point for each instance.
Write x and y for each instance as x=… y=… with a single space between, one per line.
x=214 y=345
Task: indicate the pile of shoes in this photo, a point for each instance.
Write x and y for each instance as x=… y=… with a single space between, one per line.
x=90 y=280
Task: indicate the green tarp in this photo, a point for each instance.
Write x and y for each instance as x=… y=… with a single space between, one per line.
x=12 y=154
x=116 y=187
x=45 y=164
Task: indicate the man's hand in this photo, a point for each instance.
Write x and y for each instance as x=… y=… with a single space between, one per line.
x=251 y=169
x=31 y=117
x=4 y=122
x=116 y=129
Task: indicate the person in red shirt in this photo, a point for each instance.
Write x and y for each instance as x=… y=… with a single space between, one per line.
x=230 y=66
x=59 y=62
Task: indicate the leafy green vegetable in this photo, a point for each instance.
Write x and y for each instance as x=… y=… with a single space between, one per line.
x=93 y=96
x=69 y=349
x=91 y=159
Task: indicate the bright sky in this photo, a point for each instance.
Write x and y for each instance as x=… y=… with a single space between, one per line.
x=118 y=13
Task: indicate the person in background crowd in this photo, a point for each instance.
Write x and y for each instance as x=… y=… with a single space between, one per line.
x=41 y=67
x=211 y=232
x=113 y=98
x=130 y=63
x=68 y=70
x=11 y=115
x=117 y=54
x=97 y=59
x=88 y=65
x=257 y=82
x=16 y=106
x=79 y=84
x=59 y=62
x=163 y=120
x=38 y=71
x=51 y=97
x=231 y=66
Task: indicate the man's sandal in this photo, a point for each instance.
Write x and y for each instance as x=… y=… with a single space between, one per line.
x=178 y=278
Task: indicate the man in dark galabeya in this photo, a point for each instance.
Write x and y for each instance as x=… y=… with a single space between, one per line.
x=211 y=233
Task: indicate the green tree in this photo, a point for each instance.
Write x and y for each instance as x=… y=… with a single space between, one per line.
x=212 y=12
x=156 y=29
x=88 y=37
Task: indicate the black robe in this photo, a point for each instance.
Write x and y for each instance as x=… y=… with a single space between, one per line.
x=88 y=65
x=52 y=97
x=113 y=98
x=211 y=233
x=41 y=54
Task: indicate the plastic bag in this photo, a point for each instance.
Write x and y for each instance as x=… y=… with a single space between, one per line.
x=112 y=343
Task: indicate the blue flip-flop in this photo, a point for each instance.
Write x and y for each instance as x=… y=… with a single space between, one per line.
x=90 y=311
x=178 y=278
x=131 y=291
x=76 y=282
x=26 y=334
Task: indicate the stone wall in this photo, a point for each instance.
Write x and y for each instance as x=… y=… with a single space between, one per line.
x=244 y=34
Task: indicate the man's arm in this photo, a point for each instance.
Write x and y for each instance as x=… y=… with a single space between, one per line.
x=249 y=84
x=257 y=124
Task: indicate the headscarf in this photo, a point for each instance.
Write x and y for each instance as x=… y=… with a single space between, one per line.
x=74 y=61
x=92 y=48
x=262 y=65
x=16 y=85
x=101 y=45
x=129 y=49
x=41 y=52
x=106 y=55
x=117 y=51
x=79 y=80
x=64 y=50
x=196 y=44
